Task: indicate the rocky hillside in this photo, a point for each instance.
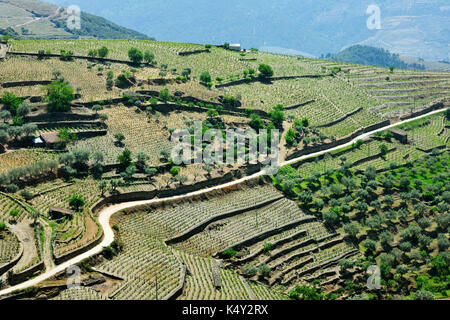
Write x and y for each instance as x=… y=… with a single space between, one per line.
x=32 y=19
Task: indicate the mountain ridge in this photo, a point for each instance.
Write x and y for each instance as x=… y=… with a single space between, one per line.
x=32 y=19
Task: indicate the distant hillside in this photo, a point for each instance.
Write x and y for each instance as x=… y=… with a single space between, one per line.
x=408 y=27
x=32 y=19
x=372 y=56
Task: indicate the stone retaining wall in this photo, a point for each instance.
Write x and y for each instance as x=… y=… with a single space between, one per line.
x=338 y=142
x=187 y=53
x=53 y=55
x=27 y=274
x=201 y=226
x=66 y=257
x=266 y=234
x=6 y=266
x=25 y=83
x=295 y=106
x=435 y=105
x=257 y=79
x=332 y=123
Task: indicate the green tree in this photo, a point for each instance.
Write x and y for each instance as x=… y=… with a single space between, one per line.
x=103 y=52
x=59 y=96
x=135 y=55
x=351 y=229
x=76 y=202
x=14 y=213
x=23 y=109
x=97 y=108
x=148 y=56
x=11 y=102
x=383 y=150
x=265 y=70
x=103 y=185
x=205 y=77
x=164 y=95
x=125 y=158
x=250 y=270
x=277 y=116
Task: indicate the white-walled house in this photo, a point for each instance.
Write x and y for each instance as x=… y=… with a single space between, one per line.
x=235 y=47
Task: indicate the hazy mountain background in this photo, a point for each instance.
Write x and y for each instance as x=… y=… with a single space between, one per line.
x=31 y=19
x=412 y=28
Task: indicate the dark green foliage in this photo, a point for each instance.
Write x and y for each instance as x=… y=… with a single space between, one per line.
x=11 y=102
x=125 y=158
x=59 y=96
x=229 y=253
x=265 y=70
x=205 y=77
x=135 y=55
x=76 y=202
x=372 y=56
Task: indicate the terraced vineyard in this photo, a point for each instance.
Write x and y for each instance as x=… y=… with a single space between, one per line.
x=7 y=205
x=429 y=133
x=226 y=232
x=79 y=293
x=59 y=197
x=200 y=283
x=9 y=247
x=397 y=92
x=23 y=157
x=150 y=269
x=326 y=219
x=174 y=220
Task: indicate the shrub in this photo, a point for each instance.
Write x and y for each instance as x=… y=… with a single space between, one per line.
x=205 y=77
x=265 y=70
x=229 y=253
x=148 y=56
x=66 y=55
x=2 y=226
x=250 y=270
x=264 y=270
x=26 y=194
x=175 y=171
x=267 y=246
x=103 y=52
x=229 y=100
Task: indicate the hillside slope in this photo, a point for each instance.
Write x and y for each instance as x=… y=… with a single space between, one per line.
x=32 y=19
x=373 y=56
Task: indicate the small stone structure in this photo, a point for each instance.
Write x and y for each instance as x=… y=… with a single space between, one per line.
x=235 y=47
x=47 y=139
x=59 y=213
x=400 y=135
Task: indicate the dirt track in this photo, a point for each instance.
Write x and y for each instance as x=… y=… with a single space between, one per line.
x=106 y=213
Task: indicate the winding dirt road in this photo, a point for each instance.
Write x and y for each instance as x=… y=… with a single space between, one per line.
x=106 y=213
